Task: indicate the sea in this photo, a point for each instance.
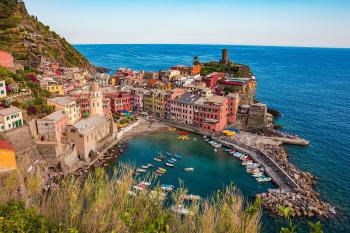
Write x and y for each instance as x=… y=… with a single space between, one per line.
x=310 y=87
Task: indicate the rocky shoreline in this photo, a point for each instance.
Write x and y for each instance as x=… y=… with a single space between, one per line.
x=303 y=201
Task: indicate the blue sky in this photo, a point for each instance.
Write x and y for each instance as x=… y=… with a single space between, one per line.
x=318 y=23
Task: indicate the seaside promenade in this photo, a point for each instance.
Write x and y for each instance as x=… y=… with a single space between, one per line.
x=284 y=182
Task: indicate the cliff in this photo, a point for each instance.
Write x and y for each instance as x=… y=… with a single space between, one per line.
x=28 y=39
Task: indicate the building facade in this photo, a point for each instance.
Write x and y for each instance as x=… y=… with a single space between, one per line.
x=10 y=118
x=52 y=128
x=69 y=105
x=3 y=92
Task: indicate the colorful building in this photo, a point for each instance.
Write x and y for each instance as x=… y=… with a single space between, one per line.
x=10 y=118
x=233 y=103
x=119 y=101
x=182 y=108
x=211 y=80
x=52 y=128
x=3 y=92
x=69 y=105
x=7 y=157
x=210 y=113
x=55 y=88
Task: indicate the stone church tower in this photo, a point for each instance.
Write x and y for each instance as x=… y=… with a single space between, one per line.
x=95 y=100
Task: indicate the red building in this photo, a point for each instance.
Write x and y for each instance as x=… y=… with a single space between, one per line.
x=119 y=101
x=211 y=80
x=233 y=102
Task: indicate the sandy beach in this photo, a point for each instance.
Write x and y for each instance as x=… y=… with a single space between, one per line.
x=145 y=127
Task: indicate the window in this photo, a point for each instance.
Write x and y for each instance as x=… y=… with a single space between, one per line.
x=2 y=92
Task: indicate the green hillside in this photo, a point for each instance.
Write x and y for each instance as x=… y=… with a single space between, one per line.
x=28 y=39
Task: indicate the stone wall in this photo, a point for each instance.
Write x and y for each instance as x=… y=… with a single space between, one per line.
x=257 y=116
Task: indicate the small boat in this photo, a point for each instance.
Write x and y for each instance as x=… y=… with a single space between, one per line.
x=162 y=169
x=138 y=188
x=189 y=169
x=168 y=154
x=247 y=163
x=253 y=170
x=141 y=170
x=190 y=197
x=206 y=139
x=180 y=209
x=145 y=183
x=195 y=139
x=170 y=164
x=215 y=150
x=245 y=158
x=258 y=174
x=167 y=187
x=177 y=156
x=144 y=167
x=150 y=165
x=204 y=136
x=157 y=159
x=170 y=161
x=173 y=159
x=254 y=165
x=263 y=179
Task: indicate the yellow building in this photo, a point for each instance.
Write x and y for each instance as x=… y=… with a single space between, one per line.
x=55 y=89
x=7 y=157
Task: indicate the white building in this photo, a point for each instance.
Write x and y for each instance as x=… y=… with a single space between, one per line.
x=10 y=118
x=3 y=92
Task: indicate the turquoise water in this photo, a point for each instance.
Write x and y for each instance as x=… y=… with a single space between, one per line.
x=309 y=86
x=213 y=170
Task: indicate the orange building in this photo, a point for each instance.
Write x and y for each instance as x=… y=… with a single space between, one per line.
x=196 y=69
x=6 y=60
x=7 y=157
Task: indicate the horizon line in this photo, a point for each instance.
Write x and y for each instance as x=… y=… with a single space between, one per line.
x=247 y=45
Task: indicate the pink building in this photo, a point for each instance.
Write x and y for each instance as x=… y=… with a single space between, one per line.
x=233 y=102
x=136 y=99
x=52 y=128
x=210 y=113
x=119 y=101
x=211 y=80
x=181 y=108
x=6 y=60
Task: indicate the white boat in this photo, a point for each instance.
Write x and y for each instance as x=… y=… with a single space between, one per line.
x=263 y=179
x=258 y=174
x=170 y=164
x=141 y=170
x=167 y=187
x=180 y=209
x=173 y=159
x=144 y=167
x=189 y=169
x=145 y=183
x=247 y=163
x=157 y=159
x=150 y=165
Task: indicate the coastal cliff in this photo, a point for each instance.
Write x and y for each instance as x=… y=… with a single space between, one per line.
x=27 y=39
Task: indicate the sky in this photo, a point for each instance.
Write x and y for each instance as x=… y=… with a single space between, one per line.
x=309 y=23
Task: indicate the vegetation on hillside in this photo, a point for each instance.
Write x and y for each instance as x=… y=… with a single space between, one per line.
x=236 y=70
x=28 y=39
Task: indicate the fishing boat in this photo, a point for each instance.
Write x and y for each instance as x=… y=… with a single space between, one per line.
x=170 y=164
x=180 y=209
x=189 y=169
x=173 y=159
x=141 y=170
x=263 y=179
x=167 y=187
x=177 y=156
x=157 y=159
x=190 y=197
x=162 y=169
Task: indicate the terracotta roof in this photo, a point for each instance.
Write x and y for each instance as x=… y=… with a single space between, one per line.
x=152 y=81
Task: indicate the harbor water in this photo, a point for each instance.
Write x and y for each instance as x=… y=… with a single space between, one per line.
x=309 y=86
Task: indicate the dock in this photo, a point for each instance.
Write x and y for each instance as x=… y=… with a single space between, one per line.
x=278 y=175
